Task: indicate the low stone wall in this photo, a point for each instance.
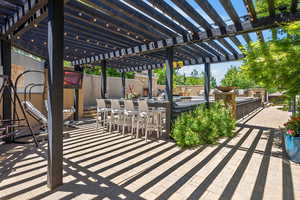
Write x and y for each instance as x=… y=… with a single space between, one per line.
x=185 y=90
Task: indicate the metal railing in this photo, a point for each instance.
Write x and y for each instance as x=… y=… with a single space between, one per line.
x=245 y=108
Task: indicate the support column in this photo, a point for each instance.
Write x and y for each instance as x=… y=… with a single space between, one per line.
x=150 y=83
x=76 y=96
x=207 y=83
x=6 y=63
x=55 y=92
x=123 y=77
x=103 y=79
x=294 y=105
x=169 y=89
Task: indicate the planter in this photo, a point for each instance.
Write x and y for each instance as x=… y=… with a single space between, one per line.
x=292 y=147
x=225 y=88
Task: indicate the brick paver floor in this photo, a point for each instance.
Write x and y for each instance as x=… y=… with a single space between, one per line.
x=100 y=165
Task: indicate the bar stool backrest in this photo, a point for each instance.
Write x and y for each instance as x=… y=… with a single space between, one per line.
x=143 y=106
x=115 y=104
x=128 y=105
x=101 y=103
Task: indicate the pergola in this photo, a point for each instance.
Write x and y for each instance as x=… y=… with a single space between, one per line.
x=129 y=35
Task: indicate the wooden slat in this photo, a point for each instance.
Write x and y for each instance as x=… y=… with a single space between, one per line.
x=250 y=8
x=260 y=24
x=271 y=7
x=38 y=17
x=260 y=36
x=22 y=15
x=231 y=12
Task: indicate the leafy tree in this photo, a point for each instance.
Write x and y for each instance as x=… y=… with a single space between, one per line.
x=238 y=78
x=262 y=6
x=275 y=63
x=213 y=82
x=111 y=72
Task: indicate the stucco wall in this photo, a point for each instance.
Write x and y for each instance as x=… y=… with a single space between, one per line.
x=92 y=85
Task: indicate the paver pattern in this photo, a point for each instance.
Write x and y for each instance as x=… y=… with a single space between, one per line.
x=101 y=165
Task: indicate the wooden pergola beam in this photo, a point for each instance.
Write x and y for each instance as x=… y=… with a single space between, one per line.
x=259 y=24
x=22 y=15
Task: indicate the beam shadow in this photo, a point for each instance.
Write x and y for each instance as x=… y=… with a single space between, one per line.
x=239 y=172
x=201 y=189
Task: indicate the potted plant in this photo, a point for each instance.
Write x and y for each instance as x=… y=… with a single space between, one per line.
x=292 y=138
x=132 y=94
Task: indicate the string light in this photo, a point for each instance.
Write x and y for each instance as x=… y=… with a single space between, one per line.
x=32 y=40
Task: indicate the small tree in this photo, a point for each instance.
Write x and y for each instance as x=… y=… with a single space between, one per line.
x=238 y=78
x=275 y=64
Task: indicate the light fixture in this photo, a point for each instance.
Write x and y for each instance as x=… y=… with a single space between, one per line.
x=88 y=40
x=35 y=25
x=32 y=40
x=18 y=37
x=80 y=14
x=65 y=33
x=94 y=20
x=77 y=37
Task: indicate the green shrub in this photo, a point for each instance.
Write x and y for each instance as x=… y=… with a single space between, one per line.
x=203 y=126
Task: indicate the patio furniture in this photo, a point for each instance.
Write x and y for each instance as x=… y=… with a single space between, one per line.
x=149 y=119
x=130 y=114
x=116 y=115
x=102 y=113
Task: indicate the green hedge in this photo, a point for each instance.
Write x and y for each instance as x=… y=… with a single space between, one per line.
x=203 y=126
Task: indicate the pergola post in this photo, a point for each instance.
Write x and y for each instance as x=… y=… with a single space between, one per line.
x=150 y=83
x=76 y=97
x=6 y=63
x=169 y=88
x=55 y=92
x=103 y=79
x=206 y=83
x=294 y=105
x=123 y=78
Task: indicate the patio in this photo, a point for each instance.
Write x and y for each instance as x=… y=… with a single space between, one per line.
x=111 y=166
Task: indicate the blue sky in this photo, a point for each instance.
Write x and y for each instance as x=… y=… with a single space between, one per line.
x=217 y=70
